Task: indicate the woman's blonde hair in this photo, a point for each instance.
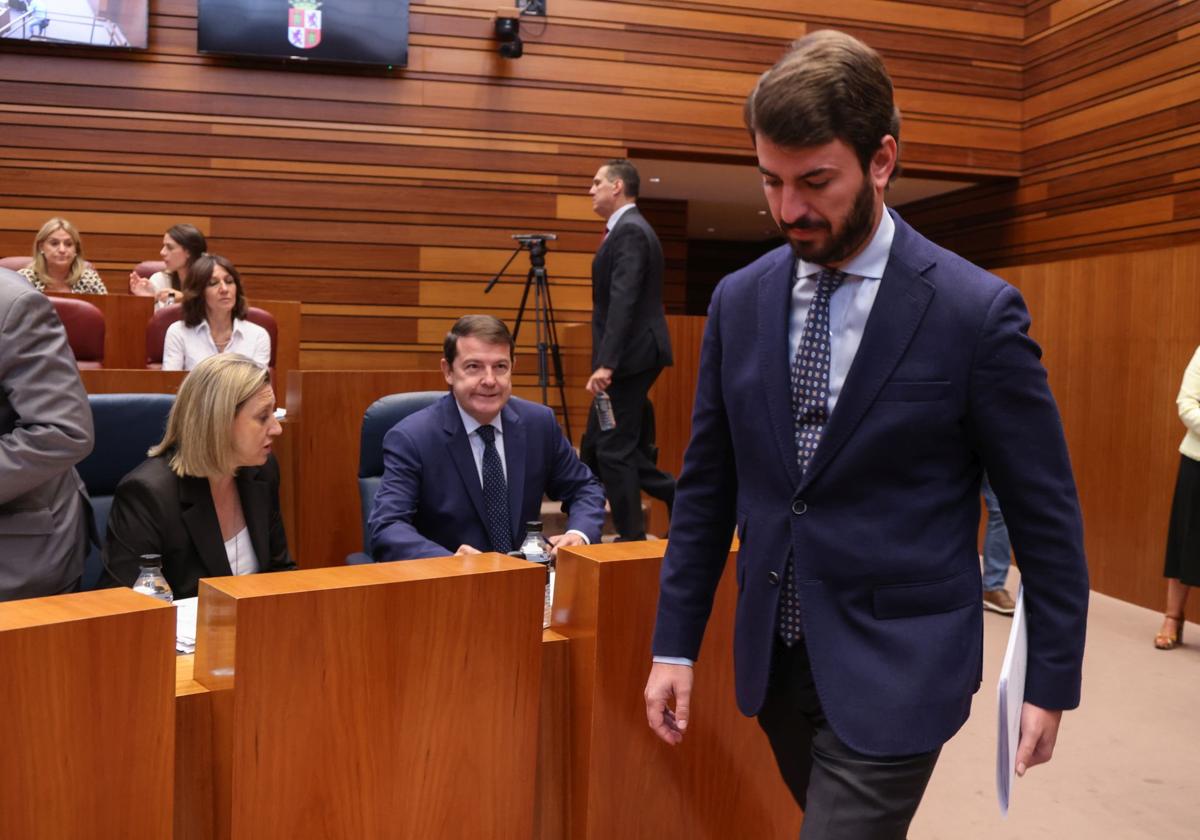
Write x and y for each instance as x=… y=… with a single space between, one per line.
x=39 y=259
x=199 y=427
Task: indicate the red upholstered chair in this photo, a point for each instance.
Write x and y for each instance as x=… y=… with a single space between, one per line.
x=156 y=333
x=84 y=323
x=146 y=268
x=267 y=321
x=15 y=263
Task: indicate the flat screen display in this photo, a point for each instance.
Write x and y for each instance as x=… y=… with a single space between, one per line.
x=98 y=23
x=358 y=31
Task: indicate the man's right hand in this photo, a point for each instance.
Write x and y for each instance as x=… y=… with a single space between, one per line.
x=467 y=549
x=667 y=684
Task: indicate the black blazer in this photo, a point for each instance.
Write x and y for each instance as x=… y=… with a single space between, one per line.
x=629 y=328
x=155 y=511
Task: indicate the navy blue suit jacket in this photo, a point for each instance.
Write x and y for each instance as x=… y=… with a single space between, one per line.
x=430 y=500
x=882 y=528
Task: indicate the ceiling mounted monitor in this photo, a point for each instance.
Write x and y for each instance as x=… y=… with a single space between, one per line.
x=353 y=31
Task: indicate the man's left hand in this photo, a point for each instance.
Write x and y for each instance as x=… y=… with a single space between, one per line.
x=560 y=540
x=1039 y=731
x=600 y=379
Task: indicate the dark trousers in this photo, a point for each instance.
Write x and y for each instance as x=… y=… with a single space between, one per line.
x=845 y=794
x=623 y=458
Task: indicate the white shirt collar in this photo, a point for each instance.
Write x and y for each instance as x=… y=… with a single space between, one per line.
x=870 y=261
x=471 y=424
x=618 y=213
x=237 y=327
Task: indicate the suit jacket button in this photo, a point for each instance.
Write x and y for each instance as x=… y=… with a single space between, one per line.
x=773 y=577
x=799 y=508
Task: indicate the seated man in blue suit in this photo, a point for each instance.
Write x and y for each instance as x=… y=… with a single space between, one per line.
x=464 y=475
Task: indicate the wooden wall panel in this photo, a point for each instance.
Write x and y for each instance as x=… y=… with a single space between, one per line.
x=1117 y=331
x=391 y=195
x=1110 y=135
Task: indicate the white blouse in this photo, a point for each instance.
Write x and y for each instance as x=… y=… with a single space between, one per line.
x=240 y=551
x=185 y=347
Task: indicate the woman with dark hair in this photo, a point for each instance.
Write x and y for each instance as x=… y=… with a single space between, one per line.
x=206 y=501
x=58 y=264
x=182 y=245
x=214 y=306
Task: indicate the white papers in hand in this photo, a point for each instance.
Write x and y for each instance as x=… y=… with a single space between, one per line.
x=1010 y=696
x=185 y=624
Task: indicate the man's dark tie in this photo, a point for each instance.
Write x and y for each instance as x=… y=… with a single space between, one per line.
x=810 y=407
x=495 y=493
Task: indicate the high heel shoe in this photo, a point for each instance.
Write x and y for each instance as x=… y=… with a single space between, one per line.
x=1170 y=641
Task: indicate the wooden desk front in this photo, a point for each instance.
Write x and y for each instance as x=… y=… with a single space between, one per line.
x=86 y=716
x=600 y=773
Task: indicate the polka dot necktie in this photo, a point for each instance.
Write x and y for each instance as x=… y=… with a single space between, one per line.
x=810 y=407
x=495 y=493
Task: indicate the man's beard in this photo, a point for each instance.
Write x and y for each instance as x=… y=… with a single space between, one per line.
x=841 y=245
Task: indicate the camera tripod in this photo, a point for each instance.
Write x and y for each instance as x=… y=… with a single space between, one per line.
x=543 y=316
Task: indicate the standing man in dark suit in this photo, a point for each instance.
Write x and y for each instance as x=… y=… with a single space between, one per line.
x=630 y=346
x=45 y=430
x=465 y=474
x=853 y=388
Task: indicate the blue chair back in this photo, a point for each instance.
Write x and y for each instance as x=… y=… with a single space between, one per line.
x=382 y=414
x=126 y=426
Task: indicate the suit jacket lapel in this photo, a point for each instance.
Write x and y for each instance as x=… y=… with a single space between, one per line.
x=460 y=453
x=200 y=519
x=514 y=468
x=904 y=295
x=774 y=310
x=256 y=508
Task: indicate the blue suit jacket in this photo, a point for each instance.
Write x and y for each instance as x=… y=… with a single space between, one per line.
x=883 y=526
x=430 y=500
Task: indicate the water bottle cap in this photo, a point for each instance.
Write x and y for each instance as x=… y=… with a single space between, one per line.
x=535 y=525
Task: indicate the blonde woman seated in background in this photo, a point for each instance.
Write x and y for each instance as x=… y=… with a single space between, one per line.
x=207 y=499
x=182 y=245
x=58 y=264
x=214 y=306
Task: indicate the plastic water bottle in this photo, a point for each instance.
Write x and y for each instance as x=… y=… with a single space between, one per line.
x=150 y=580
x=536 y=549
x=604 y=412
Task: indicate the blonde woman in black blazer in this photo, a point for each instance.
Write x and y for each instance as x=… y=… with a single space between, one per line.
x=207 y=498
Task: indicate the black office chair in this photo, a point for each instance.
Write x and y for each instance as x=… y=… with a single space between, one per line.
x=382 y=414
x=126 y=426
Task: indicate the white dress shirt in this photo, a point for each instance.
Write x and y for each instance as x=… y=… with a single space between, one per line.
x=240 y=551
x=472 y=426
x=848 y=308
x=616 y=216
x=185 y=347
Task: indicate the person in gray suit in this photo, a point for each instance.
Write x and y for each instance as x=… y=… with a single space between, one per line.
x=630 y=347
x=45 y=430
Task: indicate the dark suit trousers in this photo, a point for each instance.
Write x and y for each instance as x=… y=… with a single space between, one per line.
x=846 y=795
x=623 y=457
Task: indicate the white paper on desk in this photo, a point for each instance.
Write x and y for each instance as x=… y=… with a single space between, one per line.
x=185 y=624
x=1010 y=696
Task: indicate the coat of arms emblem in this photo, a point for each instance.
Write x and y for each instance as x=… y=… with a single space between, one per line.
x=304 y=23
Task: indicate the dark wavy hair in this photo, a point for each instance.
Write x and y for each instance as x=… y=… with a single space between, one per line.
x=486 y=328
x=189 y=238
x=828 y=86
x=199 y=276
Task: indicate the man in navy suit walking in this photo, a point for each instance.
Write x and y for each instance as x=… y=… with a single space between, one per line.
x=465 y=474
x=853 y=388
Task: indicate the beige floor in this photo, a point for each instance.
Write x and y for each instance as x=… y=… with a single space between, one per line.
x=1127 y=764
